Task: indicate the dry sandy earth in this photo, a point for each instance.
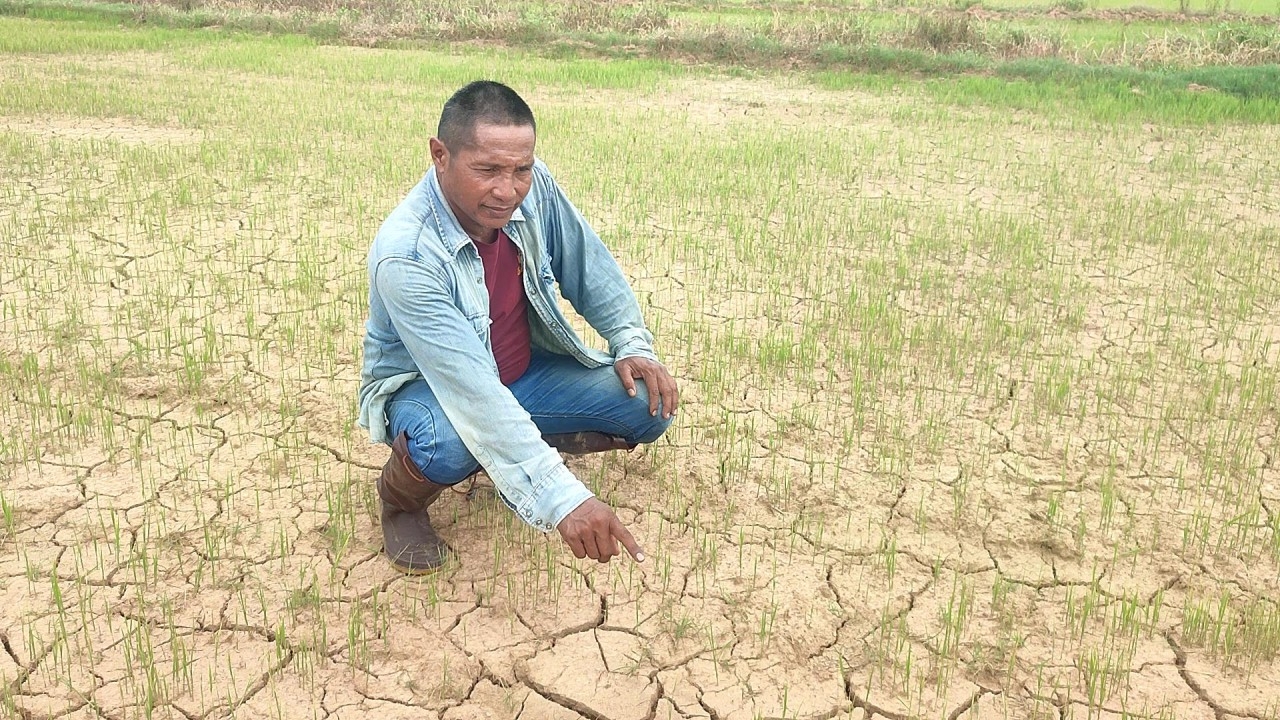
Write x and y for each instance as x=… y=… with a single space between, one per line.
x=946 y=476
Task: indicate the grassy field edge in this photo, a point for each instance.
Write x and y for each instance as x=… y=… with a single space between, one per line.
x=831 y=57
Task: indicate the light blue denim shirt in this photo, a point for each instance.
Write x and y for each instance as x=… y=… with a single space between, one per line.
x=429 y=317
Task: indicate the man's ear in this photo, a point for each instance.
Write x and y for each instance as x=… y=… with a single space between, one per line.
x=439 y=153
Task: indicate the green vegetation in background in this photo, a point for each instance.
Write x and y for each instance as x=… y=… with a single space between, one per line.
x=1206 y=7
x=80 y=29
x=214 y=53
x=756 y=35
x=952 y=54
x=1102 y=93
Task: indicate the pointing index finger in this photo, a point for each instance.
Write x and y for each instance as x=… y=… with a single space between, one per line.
x=628 y=541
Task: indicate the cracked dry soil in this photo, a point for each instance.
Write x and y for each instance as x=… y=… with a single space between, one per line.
x=1004 y=448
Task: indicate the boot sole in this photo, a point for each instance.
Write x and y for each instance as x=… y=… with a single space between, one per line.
x=409 y=570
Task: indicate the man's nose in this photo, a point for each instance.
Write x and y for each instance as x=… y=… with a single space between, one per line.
x=505 y=188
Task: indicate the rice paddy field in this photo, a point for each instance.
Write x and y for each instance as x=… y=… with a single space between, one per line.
x=979 y=380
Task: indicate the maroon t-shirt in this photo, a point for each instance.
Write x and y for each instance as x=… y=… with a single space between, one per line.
x=508 y=308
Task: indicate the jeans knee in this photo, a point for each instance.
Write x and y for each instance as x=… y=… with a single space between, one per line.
x=652 y=430
x=444 y=461
x=646 y=428
x=434 y=446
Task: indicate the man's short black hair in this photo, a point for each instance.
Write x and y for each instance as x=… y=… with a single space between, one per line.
x=481 y=101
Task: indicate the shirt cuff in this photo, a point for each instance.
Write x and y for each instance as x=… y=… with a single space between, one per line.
x=560 y=495
x=635 y=347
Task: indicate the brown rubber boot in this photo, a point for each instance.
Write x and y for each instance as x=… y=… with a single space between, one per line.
x=408 y=539
x=585 y=443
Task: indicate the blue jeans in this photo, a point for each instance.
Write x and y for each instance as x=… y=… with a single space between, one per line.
x=558 y=392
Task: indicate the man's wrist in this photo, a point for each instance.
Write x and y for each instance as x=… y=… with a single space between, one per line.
x=560 y=496
x=638 y=351
x=638 y=345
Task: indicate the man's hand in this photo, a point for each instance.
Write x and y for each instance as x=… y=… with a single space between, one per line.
x=593 y=530
x=656 y=378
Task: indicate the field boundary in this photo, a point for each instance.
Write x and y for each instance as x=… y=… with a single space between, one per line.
x=1227 y=52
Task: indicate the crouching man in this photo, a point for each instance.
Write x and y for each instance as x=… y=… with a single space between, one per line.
x=469 y=362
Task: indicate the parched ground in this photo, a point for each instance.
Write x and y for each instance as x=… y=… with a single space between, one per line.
x=980 y=415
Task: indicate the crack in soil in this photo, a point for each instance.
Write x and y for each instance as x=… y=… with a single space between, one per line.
x=973 y=699
x=870 y=707
x=340 y=457
x=835 y=638
x=4 y=642
x=562 y=700
x=1219 y=712
x=711 y=713
x=254 y=689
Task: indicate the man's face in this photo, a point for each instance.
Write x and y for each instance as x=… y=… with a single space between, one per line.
x=486 y=179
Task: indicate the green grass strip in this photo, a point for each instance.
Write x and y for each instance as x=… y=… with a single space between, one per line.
x=1105 y=93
